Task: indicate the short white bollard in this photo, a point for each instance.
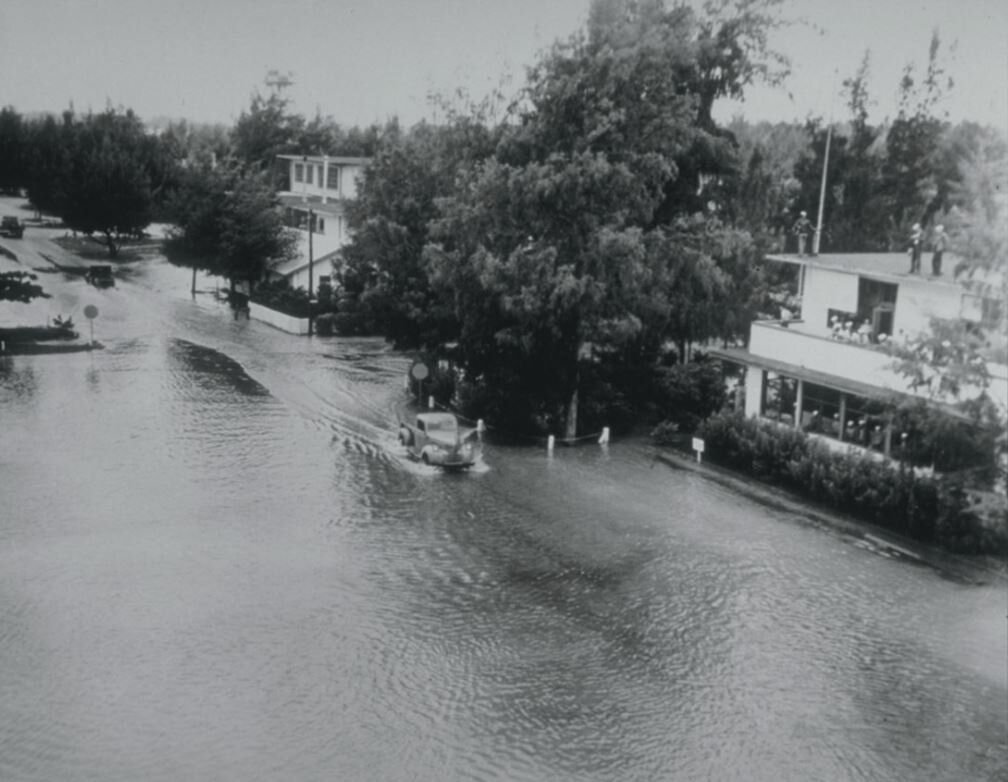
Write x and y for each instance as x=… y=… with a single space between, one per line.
x=480 y=426
x=604 y=439
x=430 y=402
x=549 y=443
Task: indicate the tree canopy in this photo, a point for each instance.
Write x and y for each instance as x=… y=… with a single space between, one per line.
x=228 y=223
x=20 y=286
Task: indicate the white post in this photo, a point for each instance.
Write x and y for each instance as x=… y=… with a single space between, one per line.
x=430 y=402
x=480 y=426
x=549 y=443
x=604 y=439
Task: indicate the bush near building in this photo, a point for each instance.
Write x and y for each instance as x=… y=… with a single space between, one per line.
x=931 y=509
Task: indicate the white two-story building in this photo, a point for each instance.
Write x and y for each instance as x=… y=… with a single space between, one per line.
x=826 y=369
x=321 y=185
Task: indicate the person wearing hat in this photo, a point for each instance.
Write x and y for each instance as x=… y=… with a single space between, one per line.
x=916 y=245
x=938 y=243
x=802 y=229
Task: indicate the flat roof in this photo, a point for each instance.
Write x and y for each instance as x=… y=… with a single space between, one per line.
x=895 y=266
x=332 y=207
x=333 y=159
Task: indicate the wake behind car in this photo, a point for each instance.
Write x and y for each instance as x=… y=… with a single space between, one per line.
x=11 y=227
x=437 y=439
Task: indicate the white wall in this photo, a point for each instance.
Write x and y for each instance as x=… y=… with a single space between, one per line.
x=348 y=176
x=847 y=360
x=826 y=289
x=278 y=319
x=920 y=299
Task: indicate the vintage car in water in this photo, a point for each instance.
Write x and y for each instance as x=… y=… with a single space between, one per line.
x=100 y=276
x=437 y=439
x=11 y=227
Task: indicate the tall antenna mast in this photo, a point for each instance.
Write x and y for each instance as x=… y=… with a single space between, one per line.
x=278 y=82
x=825 y=165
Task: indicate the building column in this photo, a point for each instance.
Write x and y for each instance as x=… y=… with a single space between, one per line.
x=843 y=416
x=325 y=179
x=799 y=402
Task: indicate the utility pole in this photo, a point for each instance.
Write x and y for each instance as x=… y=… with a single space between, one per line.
x=311 y=275
x=822 y=192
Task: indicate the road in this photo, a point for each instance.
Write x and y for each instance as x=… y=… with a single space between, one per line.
x=216 y=562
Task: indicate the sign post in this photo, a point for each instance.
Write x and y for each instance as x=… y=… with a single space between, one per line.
x=698 y=446
x=91 y=312
x=419 y=372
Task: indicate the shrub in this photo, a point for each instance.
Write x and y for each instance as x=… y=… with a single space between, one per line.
x=930 y=509
x=688 y=393
x=666 y=433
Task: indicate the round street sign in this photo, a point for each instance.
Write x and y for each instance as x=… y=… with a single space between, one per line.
x=419 y=371
x=90 y=312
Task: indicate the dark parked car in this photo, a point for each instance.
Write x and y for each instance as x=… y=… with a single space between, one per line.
x=11 y=227
x=100 y=276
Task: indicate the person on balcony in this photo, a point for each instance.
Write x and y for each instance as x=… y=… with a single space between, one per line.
x=916 y=245
x=802 y=229
x=938 y=242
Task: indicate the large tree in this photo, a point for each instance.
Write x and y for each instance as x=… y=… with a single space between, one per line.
x=13 y=150
x=574 y=243
x=391 y=220
x=228 y=223
x=101 y=173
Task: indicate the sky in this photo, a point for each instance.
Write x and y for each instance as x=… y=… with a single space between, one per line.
x=362 y=61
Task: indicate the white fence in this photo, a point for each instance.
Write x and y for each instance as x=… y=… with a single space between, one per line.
x=278 y=320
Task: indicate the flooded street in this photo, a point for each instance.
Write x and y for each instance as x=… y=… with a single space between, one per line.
x=216 y=562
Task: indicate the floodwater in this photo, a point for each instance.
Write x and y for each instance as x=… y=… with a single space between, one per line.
x=216 y=562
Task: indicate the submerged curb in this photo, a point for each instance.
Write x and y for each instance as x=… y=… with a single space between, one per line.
x=864 y=534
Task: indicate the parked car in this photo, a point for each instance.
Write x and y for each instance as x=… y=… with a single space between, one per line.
x=100 y=276
x=11 y=227
x=437 y=439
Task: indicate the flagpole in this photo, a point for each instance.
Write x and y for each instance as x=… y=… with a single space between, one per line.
x=822 y=192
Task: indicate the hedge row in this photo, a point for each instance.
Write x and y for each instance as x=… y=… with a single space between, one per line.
x=930 y=509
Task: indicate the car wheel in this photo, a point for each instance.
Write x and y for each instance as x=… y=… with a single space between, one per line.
x=425 y=458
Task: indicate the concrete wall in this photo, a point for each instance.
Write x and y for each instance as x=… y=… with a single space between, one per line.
x=918 y=299
x=826 y=289
x=844 y=359
x=349 y=174
x=278 y=319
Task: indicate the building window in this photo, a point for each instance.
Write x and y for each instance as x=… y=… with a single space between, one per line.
x=298 y=172
x=866 y=423
x=821 y=410
x=310 y=172
x=333 y=183
x=780 y=394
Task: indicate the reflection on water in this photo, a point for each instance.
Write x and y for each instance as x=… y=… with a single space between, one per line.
x=216 y=562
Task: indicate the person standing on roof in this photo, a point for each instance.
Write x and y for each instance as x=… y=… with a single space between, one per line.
x=916 y=245
x=802 y=228
x=938 y=243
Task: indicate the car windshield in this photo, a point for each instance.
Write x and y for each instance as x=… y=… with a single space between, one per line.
x=445 y=424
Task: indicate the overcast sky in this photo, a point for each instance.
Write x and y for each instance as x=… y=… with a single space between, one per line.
x=366 y=60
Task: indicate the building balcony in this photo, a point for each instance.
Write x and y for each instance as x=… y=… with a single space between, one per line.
x=794 y=344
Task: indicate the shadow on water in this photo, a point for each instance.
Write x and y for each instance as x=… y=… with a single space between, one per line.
x=213 y=370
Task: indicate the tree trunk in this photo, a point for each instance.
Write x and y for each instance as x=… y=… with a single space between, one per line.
x=110 y=243
x=193 y=291
x=572 y=410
